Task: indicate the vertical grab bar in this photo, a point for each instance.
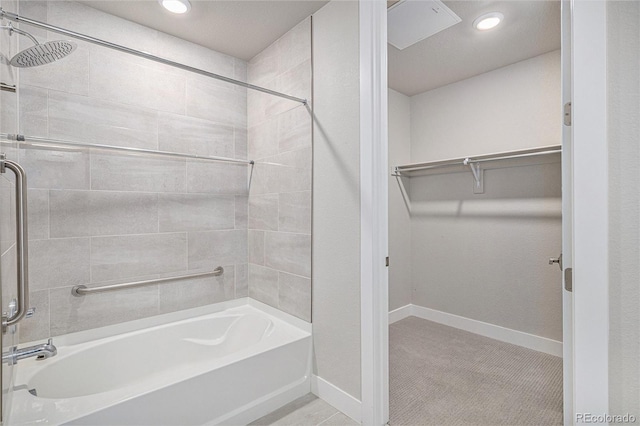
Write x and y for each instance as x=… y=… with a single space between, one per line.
x=22 y=239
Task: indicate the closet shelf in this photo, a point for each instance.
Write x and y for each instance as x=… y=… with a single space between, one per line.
x=474 y=163
x=406 y=169
x=54 y=144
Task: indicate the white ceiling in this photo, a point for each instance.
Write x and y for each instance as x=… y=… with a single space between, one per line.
x=530 y=28
x=243 y=28
x=240 y=28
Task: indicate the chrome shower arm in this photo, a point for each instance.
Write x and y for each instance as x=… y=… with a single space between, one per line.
x=12 y=29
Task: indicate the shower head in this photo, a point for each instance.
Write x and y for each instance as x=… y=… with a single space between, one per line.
x=42 y=54
x=39 y=54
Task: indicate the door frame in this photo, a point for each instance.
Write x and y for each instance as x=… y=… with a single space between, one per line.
x=590 y=208
x=590 y=387
x=374 y=221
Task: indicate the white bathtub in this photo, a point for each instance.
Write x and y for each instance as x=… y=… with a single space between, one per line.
x=229 y=363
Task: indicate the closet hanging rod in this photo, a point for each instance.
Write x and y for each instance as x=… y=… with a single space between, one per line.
x=17 y=18
x=38 y=142
x=464 y=161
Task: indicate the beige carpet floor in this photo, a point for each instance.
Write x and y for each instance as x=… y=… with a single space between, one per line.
x=444 y=376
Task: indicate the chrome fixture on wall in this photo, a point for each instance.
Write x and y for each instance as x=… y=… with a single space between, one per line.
x=39 y=54
x=41 y=352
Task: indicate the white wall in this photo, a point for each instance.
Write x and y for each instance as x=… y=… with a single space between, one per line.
x=485 y=256
x=623 y=68
x=399 y=216
x=509 y=108
x=336 y=192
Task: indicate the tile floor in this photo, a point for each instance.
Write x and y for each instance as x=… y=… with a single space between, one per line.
x=306 y=411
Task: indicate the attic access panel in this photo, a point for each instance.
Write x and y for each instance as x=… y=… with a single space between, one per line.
x=411 y=21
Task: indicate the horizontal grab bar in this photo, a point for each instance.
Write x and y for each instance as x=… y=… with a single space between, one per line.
x=83 y=290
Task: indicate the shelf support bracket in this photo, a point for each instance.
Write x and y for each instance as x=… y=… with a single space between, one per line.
x=478 y=176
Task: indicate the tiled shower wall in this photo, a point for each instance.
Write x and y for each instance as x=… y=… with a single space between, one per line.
x=280 y=133
x=98 y=217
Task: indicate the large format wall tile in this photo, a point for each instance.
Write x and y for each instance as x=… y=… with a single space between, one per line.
x=87 y=20
x=264 y=139
x=70 y=314
x=256 y=247
x=36 y=327
x=192 y=212
x=242 y=211
x=279 y=140
x=294 y=213
x=195 y=292
x=96 y=120
x=286 y=172
x=136 y=173
x=217 y=178
x=55 y=169
x=294 y=129
x=87 y=213
x=59 y=262
x=7 y=214
x=240 y=143
x=264 y=284
x=216 y=101
x=127 y=256
x=288 y=252
x=263 y=212
x=8 y=273
x=34 y=111
x=38 y=211
x=194 y=55
x=242 y=280
x=178 y=133
x=208 y=250
x=70 y=74
x=122 y=81
x=294 y=47
x=294 y=295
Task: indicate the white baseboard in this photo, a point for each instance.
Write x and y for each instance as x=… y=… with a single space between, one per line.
x=335 y=396
x=530 y=341
x=400 y=313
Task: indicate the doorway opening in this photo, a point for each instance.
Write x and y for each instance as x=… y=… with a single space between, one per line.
x=475 y=214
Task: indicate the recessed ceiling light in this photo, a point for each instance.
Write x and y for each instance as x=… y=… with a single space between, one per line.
x=176 y=6
x=488 y=21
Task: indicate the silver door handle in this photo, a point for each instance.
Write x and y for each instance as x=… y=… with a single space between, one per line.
x=557 y=260
x=22 y=241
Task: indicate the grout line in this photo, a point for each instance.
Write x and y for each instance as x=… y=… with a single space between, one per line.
x=49 y=301
x=49 y=214
x=264 y=248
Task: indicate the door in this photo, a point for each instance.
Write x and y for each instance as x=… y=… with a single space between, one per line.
x=567 y=219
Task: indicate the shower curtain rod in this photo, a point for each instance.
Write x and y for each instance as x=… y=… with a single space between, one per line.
x=38 y=142
x=17 y=18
